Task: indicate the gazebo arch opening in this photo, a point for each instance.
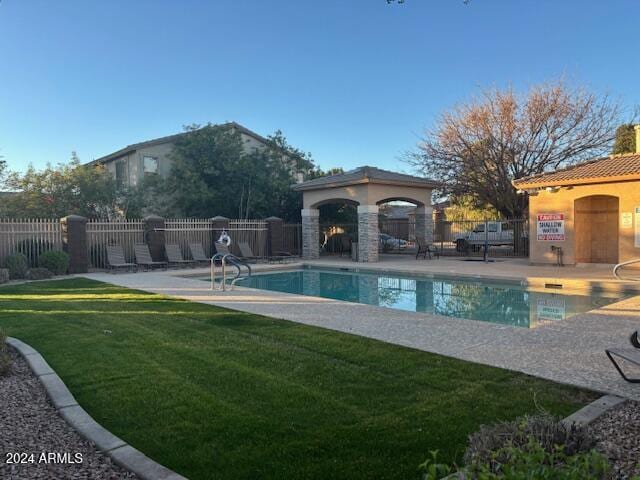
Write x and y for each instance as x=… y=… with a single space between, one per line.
x=401 y=222
x=338 y=221
x=366 y=187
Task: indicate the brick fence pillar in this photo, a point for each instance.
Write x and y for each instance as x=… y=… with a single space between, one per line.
x=218 y=224
x=74 y=242
x=275 y=236
x=155 y=237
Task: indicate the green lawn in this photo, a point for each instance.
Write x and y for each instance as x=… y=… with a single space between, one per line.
x=214 y=393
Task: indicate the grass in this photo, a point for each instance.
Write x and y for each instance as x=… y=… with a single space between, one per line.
x=214 y=393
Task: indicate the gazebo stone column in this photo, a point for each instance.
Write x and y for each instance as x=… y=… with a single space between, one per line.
x=368 y=233
x=310 y=233
x=424 y=225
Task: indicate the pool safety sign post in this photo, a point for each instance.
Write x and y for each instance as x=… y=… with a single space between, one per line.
x=550 y=227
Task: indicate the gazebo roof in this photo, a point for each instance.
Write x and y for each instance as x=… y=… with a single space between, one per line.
x=362 y=175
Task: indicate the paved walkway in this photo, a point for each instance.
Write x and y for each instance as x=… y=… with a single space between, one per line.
x=570 y=351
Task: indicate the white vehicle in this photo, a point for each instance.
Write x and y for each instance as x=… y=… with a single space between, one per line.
x=497 y=234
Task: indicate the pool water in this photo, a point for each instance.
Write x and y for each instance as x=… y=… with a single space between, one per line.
x=507 y=304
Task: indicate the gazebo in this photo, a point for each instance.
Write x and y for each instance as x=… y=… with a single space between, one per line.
x=367 y=188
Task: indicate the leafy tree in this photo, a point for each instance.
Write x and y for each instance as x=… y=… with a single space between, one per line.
x=213 y=174
x=466 y=207
x=481 y=146
x=625 y=139
x=66 y=189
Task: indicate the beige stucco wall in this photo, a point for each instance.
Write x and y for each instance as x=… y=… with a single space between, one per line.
x=367 y=194
x=562 y=201
x=163 y=153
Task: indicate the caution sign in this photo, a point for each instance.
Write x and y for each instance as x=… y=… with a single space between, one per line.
x=551 y=227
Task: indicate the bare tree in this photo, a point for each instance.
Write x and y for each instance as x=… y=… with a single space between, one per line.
x=479 y=147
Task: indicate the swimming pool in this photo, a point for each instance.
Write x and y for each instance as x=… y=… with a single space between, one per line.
x=502 y=303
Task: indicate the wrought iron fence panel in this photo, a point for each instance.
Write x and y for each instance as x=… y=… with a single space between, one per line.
x=29 y=236
x=470 y=238
x=292 y=238
x=252 y=232
x=101 y=233
x=337 y=238
x=183 y=231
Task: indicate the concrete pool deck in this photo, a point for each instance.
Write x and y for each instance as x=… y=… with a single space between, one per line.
x=569 y=351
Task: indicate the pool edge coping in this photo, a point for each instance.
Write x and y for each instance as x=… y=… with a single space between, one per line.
x=85 y=425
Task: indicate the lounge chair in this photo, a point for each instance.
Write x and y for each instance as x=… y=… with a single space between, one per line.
x=221 y=248
x=116 y=260
x=143 y=257
x=247 y=254
x=425 y=249
x=631 y=355
x=197 y=253
x=174 y=256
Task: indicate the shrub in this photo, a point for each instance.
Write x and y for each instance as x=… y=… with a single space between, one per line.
x=38 y=274
x=546 y=429
x=32 y=249
x=539 y=447
x=530 y=461
x=17 y=265
x=5 y=360
x=56 y=262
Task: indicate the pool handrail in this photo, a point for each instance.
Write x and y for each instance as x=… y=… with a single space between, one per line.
x=231 y=260
x=623 y=264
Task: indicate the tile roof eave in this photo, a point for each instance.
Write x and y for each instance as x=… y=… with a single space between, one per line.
x=523 y=184
x=301 y=187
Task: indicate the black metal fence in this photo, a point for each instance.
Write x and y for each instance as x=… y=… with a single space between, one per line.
x=338 y=238
x=467 y=238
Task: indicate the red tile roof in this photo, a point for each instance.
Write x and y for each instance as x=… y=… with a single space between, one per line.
x=616 y=168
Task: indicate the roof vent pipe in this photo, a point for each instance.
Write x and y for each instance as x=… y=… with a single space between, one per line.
x=637 y=129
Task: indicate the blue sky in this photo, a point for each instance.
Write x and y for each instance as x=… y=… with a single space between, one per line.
x=352 y=81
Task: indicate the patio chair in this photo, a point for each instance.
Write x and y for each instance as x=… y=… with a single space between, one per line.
x=222 y=248
x=143 y=257
x=197 y=253
x=174 y=256
x=116 y=259
x=247 y=254
x=345 y=245
x=425 y=249
x=631 y=355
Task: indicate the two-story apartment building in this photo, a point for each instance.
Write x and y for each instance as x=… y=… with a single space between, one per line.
x=153 y=157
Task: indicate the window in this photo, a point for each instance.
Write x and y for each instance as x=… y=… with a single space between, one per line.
x=121 y=174
x=493 y=227
x=149 y=165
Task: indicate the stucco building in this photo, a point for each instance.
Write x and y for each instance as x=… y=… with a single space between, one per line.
x=590 y=210
x=131 y=164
